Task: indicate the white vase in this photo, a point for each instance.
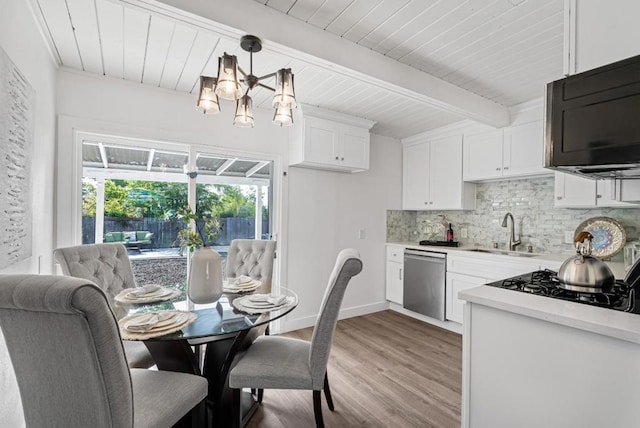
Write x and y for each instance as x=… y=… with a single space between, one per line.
x=205 y=276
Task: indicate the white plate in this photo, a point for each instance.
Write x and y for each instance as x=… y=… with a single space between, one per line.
x=165 y=294
x=180 y=320
x=228 y=287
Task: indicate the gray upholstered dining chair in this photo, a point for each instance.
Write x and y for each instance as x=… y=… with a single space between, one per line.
x=108 y=266
x=274 y=362
x=252 y=258
x=67 y=354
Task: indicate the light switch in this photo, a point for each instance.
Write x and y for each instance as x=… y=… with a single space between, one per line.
x=362 y=233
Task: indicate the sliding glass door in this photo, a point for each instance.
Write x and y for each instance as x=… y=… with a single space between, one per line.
x=133 y=193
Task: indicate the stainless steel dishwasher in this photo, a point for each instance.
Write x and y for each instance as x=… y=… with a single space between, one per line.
x=424 y=282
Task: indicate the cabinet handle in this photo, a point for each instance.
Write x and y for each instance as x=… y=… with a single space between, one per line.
x=431 y=203
x=598 y=196
x=506 y=168
x=559 y=198
x=426 y=203
x=336 y=157
x=341 y=158
x=498 y=169
x=400 y=274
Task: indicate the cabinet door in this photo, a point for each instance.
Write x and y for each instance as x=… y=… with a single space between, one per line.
x=523 y=151
x=571 y=191
x=415 y=177
x=483 y=156
x=321 y=138
x=455 y=284
x=395 y=282
x=608 y=194
x=354 y=149
x=445 y=171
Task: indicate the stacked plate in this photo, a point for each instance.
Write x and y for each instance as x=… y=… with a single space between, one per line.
x=146 y=294
x=152 y=324
x=260 y=303
x=241 y=284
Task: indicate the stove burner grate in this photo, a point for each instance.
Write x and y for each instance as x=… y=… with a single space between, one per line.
x=545 y=283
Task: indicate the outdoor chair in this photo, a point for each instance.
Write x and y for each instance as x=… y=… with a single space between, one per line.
x=274 y=362
x=108 y=266
x=67 y=354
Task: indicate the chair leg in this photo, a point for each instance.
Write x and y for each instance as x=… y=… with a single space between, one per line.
x=317 y=408
x=199 y=415
x=236 y=408
x=260 y=394
x=327 y=392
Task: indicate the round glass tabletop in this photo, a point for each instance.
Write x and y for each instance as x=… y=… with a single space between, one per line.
x=218 y=318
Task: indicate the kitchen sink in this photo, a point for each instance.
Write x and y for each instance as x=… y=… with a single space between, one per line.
x=502 y=252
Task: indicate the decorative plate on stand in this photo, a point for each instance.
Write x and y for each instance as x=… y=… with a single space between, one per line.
x=609 y=236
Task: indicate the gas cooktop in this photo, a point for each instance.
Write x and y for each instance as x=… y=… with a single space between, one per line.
x=622 y=297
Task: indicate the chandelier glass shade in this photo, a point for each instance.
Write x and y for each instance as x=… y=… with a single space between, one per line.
x=208 y=100
x=227 y=85
x=284 y=93
x=283 y=116
x=244 y=115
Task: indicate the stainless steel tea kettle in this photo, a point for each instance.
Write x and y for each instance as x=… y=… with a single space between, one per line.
x=584 y=272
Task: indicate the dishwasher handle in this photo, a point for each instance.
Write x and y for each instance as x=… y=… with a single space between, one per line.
x=429 y=254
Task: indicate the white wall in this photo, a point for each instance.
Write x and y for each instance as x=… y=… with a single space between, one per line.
x=322 y=210
x=605 y=32
x=326 y=211
x=21 y=40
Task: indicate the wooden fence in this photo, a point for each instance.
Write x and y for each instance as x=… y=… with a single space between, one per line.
x=165 y=232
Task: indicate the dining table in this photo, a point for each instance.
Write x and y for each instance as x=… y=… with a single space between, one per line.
x=210 y=344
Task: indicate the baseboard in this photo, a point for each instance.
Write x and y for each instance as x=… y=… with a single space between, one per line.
x=291 y=324
x=447 y=325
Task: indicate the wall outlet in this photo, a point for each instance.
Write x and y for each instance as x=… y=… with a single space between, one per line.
x=568 y=237
x=362 y=233
x=463 y=232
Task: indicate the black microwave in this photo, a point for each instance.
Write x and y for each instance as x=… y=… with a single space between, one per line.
x=593 y=122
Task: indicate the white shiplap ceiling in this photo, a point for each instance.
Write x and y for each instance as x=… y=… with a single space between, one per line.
x=496 y=53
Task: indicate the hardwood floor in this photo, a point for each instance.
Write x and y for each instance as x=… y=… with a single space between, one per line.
x=385 y=370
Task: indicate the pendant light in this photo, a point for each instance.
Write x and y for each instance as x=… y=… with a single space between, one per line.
x=229 y=87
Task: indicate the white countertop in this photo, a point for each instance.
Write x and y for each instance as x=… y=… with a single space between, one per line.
x=616 y=267
x=620 y=325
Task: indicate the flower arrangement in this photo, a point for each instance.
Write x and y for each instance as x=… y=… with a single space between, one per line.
x=207 y=228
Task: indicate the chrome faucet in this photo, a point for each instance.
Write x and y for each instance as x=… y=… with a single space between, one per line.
x=513 y=242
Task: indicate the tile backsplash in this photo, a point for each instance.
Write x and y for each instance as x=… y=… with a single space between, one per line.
x=529 y=200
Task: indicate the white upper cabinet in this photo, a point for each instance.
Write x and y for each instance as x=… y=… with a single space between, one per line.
x=483 y=155
x=432 y=176
x=523 y=150
x=516 y=151
x=329 y=140
x=572 y=191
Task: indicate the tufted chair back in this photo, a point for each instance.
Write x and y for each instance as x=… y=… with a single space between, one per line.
x=106 y=265
x=252 y=258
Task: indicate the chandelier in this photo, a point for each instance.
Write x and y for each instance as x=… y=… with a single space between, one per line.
x=229 y=87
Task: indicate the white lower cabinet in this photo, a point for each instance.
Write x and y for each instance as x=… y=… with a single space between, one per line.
x=456 y=283
x=468 y=271
x=395 y=272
